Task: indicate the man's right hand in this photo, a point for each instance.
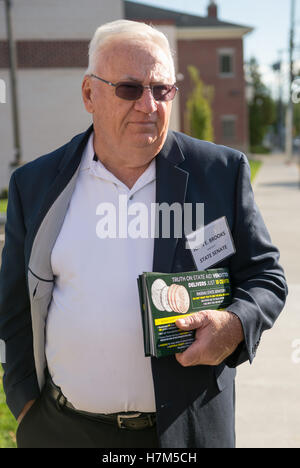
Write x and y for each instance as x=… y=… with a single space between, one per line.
x=24 y=410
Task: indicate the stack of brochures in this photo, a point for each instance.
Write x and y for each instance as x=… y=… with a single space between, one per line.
x=166 y=297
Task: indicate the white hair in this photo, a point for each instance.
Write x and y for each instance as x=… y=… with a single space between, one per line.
x=126 y=30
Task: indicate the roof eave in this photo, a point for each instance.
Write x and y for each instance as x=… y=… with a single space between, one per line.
x=193 y=33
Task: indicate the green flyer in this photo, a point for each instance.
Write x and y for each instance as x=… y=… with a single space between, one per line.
x=166 y=297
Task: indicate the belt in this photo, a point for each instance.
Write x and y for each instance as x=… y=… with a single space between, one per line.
x=128 y=420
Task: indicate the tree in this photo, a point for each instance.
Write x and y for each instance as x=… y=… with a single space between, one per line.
x=296 y=109
x=296 y=119
x=262 y=108
x=198 y=118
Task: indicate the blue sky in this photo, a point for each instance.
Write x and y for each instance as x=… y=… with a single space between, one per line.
x=270 y=18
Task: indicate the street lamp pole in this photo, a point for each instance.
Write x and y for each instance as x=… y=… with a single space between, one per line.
x=277 y=67
x=13 y=85
x=289 y=114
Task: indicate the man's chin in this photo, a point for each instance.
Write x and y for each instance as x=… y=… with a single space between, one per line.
x=144 y=140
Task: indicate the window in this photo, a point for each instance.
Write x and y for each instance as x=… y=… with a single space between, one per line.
x=226 y=62
x=229 y=127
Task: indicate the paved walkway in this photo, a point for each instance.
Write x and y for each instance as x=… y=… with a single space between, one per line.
x=268 y=391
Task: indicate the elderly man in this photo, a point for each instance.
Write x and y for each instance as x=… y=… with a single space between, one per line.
x=76 y=374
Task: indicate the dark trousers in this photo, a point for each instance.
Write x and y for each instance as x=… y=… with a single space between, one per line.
x=48 y=426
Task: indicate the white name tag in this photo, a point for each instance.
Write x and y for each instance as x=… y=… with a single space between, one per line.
x=217 y=244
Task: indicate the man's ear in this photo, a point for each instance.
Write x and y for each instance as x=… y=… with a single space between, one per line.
x=87 y=94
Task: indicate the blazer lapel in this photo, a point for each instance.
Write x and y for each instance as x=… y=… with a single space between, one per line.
x=56 y=201
x=171 y=185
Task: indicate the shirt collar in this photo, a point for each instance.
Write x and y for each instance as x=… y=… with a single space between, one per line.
x=96 y=168
x=88 y=153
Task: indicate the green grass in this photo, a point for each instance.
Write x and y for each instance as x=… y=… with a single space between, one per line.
x=254 y=166
x=8 y=424
x=3 y=206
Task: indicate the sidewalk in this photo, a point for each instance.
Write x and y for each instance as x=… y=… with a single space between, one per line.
x=268 y=391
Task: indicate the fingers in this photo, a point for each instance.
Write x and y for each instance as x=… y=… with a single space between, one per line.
x=217 y=335
x=211 y=339
x=191 y=356
x=196 y=320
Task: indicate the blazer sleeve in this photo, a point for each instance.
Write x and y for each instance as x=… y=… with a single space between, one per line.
x=19 y=380
x=259 y=283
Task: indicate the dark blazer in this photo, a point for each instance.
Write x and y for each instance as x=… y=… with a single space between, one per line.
x=195 y=405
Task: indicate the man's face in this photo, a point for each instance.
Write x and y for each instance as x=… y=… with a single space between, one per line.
x=131 y=128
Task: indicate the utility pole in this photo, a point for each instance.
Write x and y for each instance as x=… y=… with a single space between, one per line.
x=277 y=67
x=289 y=113
x=13 y=85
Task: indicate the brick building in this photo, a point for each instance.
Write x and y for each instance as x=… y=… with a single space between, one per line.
x=52 y=39
x=215 y=47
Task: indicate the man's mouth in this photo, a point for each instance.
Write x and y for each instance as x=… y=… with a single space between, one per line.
x=143 y=123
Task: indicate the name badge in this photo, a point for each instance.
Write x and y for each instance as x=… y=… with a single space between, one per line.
x=216 y=244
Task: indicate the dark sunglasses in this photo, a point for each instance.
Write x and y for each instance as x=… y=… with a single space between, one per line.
x=131 y=91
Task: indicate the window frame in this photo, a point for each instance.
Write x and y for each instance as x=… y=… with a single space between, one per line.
x=228 y=52
x=232 y=118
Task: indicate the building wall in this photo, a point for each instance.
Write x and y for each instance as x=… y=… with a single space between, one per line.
x=229 y=99
x=51 y=112
x=59 y=19
x=52 y=39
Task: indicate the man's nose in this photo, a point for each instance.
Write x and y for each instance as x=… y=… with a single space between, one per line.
x=146 y=103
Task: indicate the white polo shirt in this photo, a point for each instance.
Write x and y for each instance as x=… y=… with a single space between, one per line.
x=94 y=336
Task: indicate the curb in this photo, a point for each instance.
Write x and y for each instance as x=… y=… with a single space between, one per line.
x=2 y=218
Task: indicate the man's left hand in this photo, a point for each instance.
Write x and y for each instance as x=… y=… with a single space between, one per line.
x=218 y=333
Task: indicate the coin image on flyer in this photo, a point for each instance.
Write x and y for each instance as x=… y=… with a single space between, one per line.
x=165 y=300
x=156 y=288
x=182 y=300
x=171 y=296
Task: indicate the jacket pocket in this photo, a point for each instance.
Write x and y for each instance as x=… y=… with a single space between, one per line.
x=26 y=418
